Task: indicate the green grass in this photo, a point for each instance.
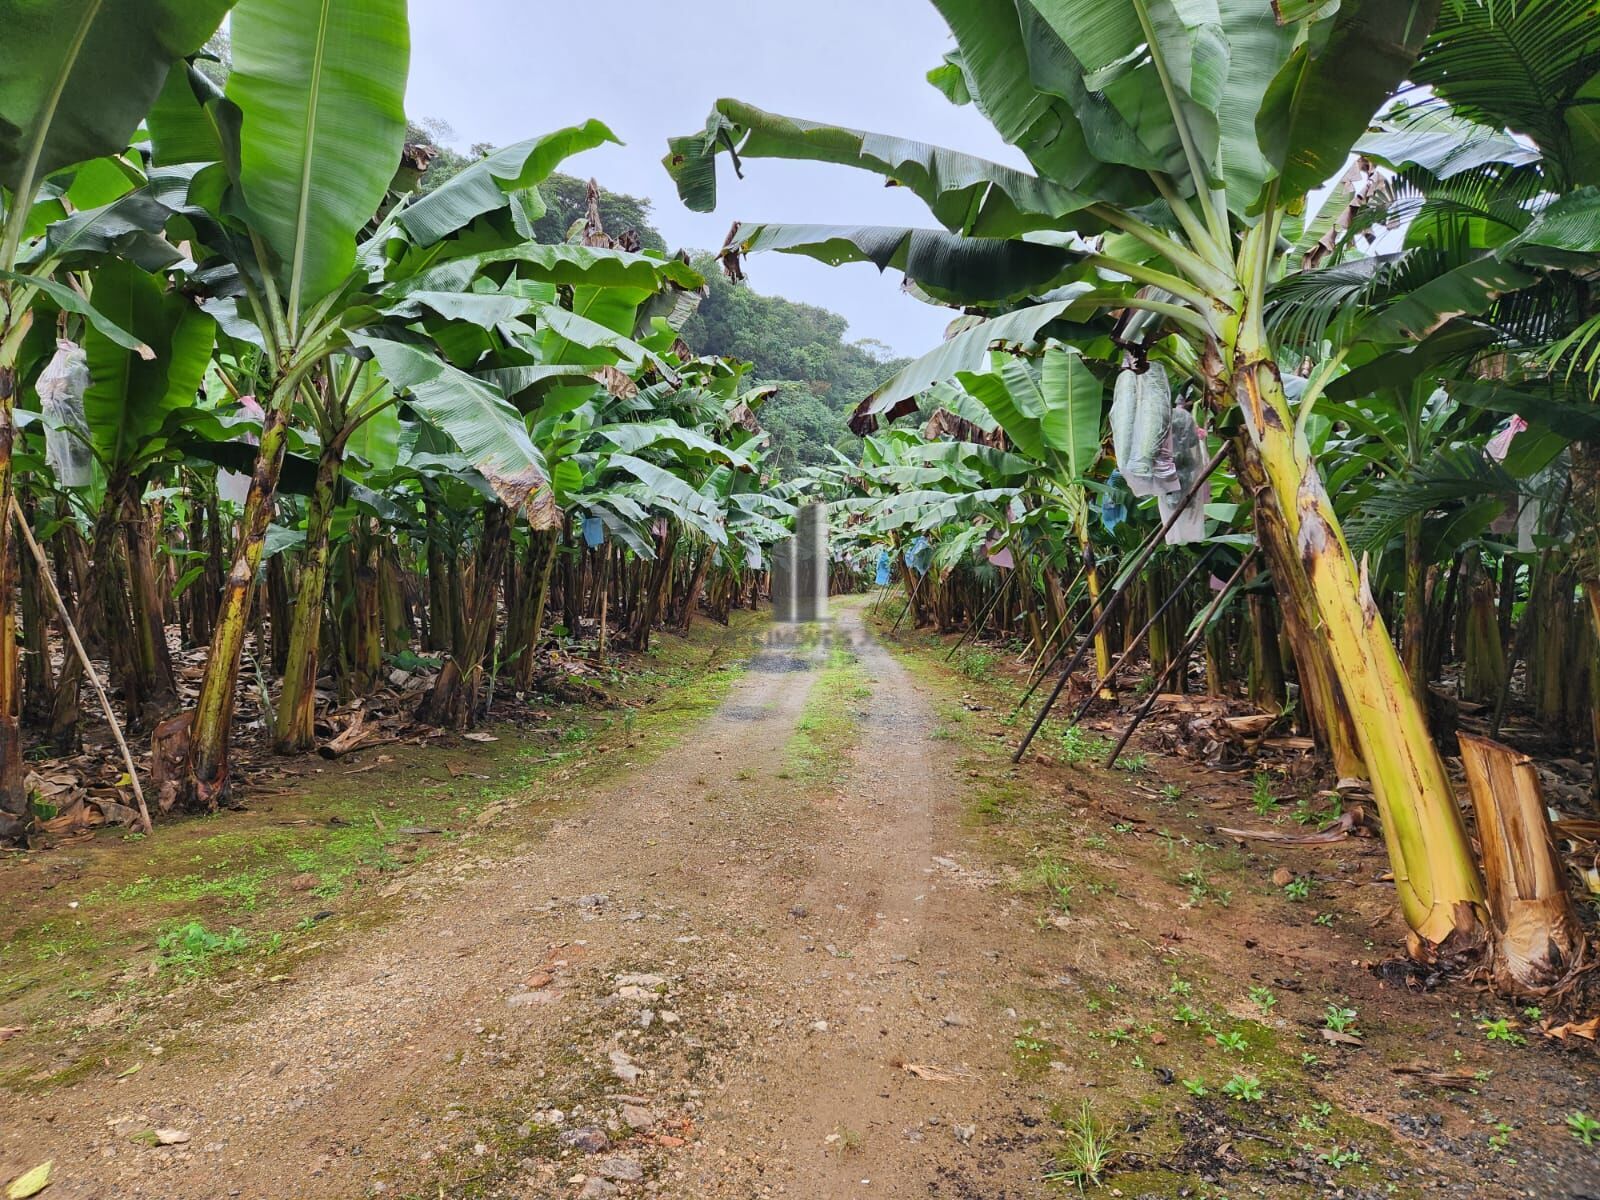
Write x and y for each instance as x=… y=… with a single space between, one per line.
x=817 y=750
x=192 y=949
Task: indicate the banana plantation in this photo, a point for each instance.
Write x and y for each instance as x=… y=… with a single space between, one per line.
x=1258 y=469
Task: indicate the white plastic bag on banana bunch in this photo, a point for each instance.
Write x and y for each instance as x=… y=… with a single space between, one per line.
x=1141 y=418
x=66 y=433
x=235 y=485
x=1189 y=455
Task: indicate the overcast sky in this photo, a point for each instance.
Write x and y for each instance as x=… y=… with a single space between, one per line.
x=500 y=71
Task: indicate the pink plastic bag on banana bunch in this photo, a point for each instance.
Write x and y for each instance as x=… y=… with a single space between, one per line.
x=66 y=432
x=232 y=485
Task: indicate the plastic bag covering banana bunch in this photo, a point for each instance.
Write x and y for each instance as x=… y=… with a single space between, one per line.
x=66 y=433
x=1160 y=450
x=1189 y=454
x=1141 y=417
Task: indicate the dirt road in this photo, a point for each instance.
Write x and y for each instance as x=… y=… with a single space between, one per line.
x=764 y=964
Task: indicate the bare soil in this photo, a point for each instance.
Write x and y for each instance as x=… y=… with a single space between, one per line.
x=829 y=943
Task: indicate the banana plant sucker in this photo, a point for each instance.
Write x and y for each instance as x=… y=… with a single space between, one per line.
x=339 y=419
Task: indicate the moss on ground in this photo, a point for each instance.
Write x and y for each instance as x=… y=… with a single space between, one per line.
x=817 y=750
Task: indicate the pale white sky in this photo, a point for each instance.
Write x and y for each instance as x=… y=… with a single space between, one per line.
x=502 y=70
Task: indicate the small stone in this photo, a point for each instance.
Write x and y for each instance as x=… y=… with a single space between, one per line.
x=624 y=1170
x=527 y=999
x=646 y=1018
x=622 y=1067
x=588 y=1138
x=171 y=1137
x=954 y=1020
x=799 y=910
x=1282 y=877
x=669 y=1018
x=644 y=981
x=637 y=1118
x=819 y=1026
x=595 y=900
x=964 y=1133
x=595 y=1188
x=539 y=979
x=303 y=883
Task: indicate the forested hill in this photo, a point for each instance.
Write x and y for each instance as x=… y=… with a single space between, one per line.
x=800 y=347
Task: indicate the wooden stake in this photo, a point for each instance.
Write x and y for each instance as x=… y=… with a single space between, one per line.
x=83 y=657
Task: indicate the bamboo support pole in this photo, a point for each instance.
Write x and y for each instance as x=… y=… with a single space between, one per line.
x=83 y=657
x=1119 y=589
x=1094 y=692
x=1178 y=659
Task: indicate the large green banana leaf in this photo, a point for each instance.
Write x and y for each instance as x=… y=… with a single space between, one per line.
x=130 y=397
x=631 y=437
x=71 y=300
x=666 y=490
x=1223 y=96
x=967 y=194
x=1021 y=76
x=1343 y=69
x=321 y=86
x=77 y=76
x=946 y=266
x=488 y=430
x=488 y=184
x=966 y=351
x=129 y=226
x=563 y=265
x=1051 y=413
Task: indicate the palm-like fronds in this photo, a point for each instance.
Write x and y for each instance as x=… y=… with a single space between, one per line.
x=1520 y=65
x=1451 y=478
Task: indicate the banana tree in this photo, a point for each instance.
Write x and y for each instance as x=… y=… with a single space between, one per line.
x=132 y=408
x=292 y=173
x=1052 y=415
x=453 y=269
x=1174 y=147
x=78 y=78
x=300 y=152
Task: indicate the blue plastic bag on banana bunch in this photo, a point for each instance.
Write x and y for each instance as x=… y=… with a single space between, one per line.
x=1189 y=456
x=1113 y=511
x=1141 y=418
x=919 y=555
x=66 y=433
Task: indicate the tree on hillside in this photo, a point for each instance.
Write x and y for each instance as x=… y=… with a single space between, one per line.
x=800 y=346
x=567 y=201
